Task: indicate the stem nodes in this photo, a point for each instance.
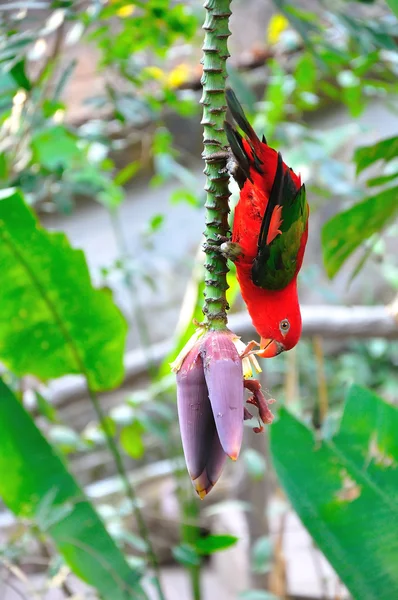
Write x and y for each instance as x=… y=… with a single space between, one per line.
x=215 y=54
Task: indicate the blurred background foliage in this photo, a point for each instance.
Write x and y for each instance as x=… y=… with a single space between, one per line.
x=128 y=124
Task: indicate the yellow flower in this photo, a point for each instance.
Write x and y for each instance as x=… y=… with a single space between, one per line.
x=124 y=11
x=179 y=75
x=250 y=362
x=276 y=26
x=155 y=72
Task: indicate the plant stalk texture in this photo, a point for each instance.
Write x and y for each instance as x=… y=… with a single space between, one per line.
x=215 y=54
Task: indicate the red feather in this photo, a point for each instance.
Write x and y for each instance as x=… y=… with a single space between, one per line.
x=269 y=309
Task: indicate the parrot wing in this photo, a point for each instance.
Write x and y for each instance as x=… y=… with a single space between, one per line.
x=260 y=170
x=282 y=232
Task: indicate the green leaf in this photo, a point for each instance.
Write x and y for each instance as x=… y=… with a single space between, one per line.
x=393 y=4
x=382 y=180
x=3 y=166
x=342 y=234
x=50 y=108
x=46 y=409
x=131 y=439
x=385 y=150
x=345 y=490
x=55 y=148
x=53 y=321
x=214 y=543
x=18 y=73
x=186 y=555
x=156 y=223
x=305 y=73
x=48 y=514
x=184 y=195
x=353 y=98
x=35 y=485
x=127 y=173
x=275 y=97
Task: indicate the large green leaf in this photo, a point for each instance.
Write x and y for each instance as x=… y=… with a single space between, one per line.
x=53 y=321
x=214 y=543
x=342 y=234
x=384 y=150
x=393 y=4
x=35 y=485
x=345 y=490
x=18 y=73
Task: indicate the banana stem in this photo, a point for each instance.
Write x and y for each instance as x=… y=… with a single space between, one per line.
x=215 y=54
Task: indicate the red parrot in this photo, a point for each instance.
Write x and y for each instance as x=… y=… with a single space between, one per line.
x=269 y=235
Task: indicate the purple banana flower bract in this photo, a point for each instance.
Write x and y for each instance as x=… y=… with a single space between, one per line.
x=210 y=400
x=224 y=378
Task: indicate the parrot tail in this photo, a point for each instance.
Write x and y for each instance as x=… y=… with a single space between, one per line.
x=241 y=120
x=247 y=151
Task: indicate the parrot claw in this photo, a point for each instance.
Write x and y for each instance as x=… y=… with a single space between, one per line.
x=223 y=238
x=232 y=165
x=231 y=250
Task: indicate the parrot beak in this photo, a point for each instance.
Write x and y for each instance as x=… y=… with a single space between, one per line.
x=270 y=348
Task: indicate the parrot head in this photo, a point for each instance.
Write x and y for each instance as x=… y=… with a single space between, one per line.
x=278 y=321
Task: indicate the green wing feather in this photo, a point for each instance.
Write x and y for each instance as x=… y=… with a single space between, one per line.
x=276 y=263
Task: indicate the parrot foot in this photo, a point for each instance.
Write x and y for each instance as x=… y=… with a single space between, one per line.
x=250 y=349
x=211 y=248
x=258 y=399
x=232 y=166
x=231 y=250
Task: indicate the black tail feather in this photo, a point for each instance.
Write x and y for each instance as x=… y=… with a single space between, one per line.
x=235 y=142
x=246 y=159
x=239 y=116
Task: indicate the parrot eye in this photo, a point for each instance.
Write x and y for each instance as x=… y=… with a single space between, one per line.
x=284 y=326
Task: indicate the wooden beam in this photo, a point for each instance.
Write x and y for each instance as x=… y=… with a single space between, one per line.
x=330 y=322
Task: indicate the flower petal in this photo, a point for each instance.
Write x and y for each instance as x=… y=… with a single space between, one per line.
x=224 y=378
x=177 y=362
x=198 y=431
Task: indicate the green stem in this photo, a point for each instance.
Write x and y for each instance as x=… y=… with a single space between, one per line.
x=190 y=528
x=190 y=534
x=215 y=54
